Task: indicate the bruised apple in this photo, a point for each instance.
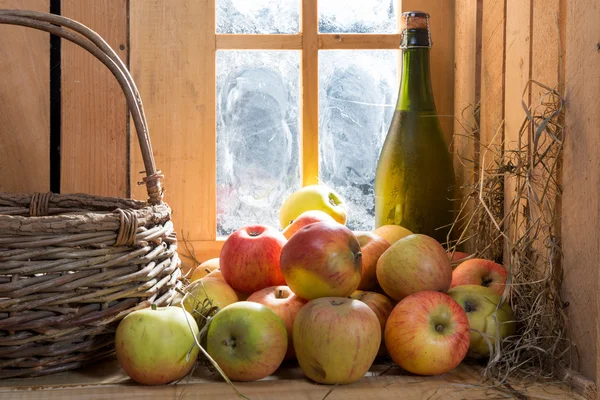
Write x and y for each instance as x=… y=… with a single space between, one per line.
x=285 y=304
x=336 y=339
x=249 y=258
x=156 y=346
x=372 y=246
x=414 y=263
x=322 y=260
x=306 y=218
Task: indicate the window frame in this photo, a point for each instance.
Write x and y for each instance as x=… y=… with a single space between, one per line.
x=192 y=192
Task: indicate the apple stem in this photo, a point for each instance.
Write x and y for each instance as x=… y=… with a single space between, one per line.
x=336 y=302
x=439 y=327
x=207 y=270
x=486 y=282
x=153 y=306
x=280 y=294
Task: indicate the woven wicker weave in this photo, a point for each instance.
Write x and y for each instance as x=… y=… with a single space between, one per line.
x=72 y=266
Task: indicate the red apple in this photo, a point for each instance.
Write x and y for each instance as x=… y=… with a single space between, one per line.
x=306 y=218
x=479 y=271
x=285 y=304
x=427 y=333
x=248 y=341
x=414 y=263
x=249 y=258
x=380 y=305
x=322 y=260
x=372 y=246
x=156 y=346
x=336 y=339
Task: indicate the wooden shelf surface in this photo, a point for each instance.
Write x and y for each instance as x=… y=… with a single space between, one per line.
x=106 y=380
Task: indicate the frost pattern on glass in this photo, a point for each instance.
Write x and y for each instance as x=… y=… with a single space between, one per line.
x=358 y=16
x=357 y=95
x=257 y=136
x=258 y=16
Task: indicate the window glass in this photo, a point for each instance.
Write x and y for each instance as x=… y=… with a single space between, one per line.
x=258 y=16
x=257 y=135
x=358 y=16
x=357 y=95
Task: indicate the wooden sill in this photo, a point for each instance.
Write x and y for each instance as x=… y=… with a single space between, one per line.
x=106 y=380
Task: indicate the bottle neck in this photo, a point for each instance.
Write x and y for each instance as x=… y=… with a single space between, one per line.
x=415 y=87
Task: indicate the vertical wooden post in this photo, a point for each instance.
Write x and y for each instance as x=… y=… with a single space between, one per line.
x=310 y=93
x=173 y=64
x=581 y=182
x=25 y=104
x=94 y=142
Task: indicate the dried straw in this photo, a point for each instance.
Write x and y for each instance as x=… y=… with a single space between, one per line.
x=510 y=215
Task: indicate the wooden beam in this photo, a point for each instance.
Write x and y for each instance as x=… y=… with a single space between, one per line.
x=581 y=180
x=94 y=142
x=173 y=64
x=24 y=104
x=259 y=42
x=310 y=94
x=359 y=41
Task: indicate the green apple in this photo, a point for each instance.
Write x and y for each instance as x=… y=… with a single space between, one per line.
x=248 y=341
x=313 y=197
x=480 y=303
x=217 y=290
x=157 y=346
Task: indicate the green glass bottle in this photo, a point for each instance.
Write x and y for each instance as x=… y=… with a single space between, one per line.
x=414 y=182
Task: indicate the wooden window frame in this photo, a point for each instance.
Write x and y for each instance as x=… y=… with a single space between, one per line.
x=195 y=204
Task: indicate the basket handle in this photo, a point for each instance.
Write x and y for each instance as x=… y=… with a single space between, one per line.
x=97 y=46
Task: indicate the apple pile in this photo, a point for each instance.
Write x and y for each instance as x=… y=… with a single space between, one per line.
x=328 y=297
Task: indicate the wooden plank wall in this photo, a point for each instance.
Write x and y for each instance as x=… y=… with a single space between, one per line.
x=94 y=142
x=173 y=64
x=24 y=104
x=556 y=42
x=581 y=180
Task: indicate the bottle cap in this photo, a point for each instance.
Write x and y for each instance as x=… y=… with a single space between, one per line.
x=415 y=21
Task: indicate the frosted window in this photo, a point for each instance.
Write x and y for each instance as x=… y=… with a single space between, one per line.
x=257 y=135
x=357 y=95
x=258 y=16
x=358 y=16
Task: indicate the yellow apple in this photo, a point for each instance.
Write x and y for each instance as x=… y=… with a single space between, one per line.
x=313 y=197
x=392 y=233
x=204 y=269
x=218 y=291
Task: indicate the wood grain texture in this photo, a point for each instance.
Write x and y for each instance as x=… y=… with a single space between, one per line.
x=106 y=380
x=518 y=73
x=466 y=81
x=492 y=74
x=24 y=104
x=310 y=94
x=94 y=140
x=441 y=14
x=359 y=41
x=173 y=64
x=581 y=180
x=264 y=42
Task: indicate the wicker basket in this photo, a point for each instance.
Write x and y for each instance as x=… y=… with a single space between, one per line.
x=72 y=266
